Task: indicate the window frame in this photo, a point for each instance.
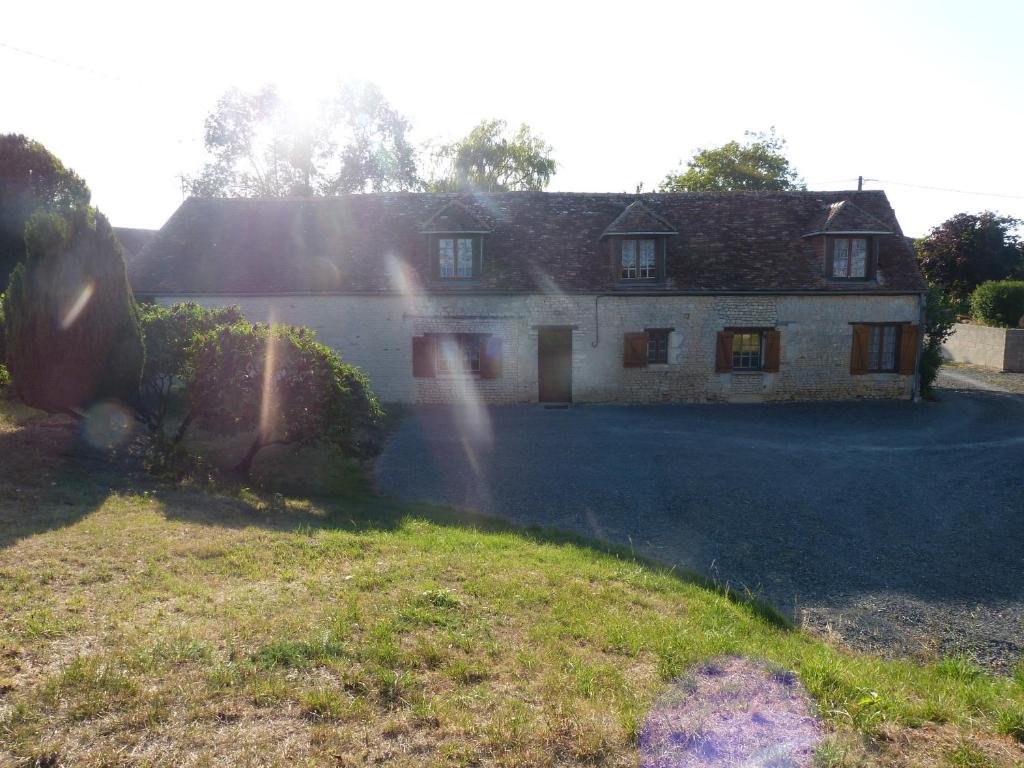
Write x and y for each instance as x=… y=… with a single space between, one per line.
x=737 y=333
x=869 y=257
x=476 y=259
x=462 y=340
x=657 y=269
x=897 y=330
x=657 y=335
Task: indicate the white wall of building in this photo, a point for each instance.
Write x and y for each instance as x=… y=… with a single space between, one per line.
x=375 y=333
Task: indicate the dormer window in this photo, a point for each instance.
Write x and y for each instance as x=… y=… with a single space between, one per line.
x=456 y=257
x=850 y=258
x=639 y=259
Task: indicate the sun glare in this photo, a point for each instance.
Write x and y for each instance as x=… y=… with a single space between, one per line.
x=78 y=305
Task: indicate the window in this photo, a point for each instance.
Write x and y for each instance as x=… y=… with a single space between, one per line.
x=657 y=346
x=638 y=260
x=850 y=258
x=882 y=348
x=456 y=258
x=746 y=351
x=458 y=354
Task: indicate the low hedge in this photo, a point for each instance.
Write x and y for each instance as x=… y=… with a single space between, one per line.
x=999 y=303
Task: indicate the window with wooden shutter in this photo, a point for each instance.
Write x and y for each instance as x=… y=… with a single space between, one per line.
x=423 y=351
x=723 y=352
x=908 y=349
x=861 y=349
x=772 y=351
x=634 y=353
x=490 y=358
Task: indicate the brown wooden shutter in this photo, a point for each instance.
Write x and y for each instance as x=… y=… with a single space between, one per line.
x=723 y=352
x=861 y=348
x=771 y=352
x=423 y=350
x=634 y=350
x=490 y=358
x=908 y=349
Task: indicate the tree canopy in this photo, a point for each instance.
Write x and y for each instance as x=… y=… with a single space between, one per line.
x=491 y=158
x=258 y=148
x=73 y=334
x=758 y=164
x=969 y=249
x=31 y=178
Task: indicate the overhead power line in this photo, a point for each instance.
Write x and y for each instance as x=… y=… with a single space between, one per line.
x=946 y=189
x=69 y=65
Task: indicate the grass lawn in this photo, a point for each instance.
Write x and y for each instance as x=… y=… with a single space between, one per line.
x=145 y=624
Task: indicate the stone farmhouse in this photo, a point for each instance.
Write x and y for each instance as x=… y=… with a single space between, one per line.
x=564 y=297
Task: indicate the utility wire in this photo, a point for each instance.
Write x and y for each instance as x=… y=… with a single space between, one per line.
x=69 y=65
x=946 y=189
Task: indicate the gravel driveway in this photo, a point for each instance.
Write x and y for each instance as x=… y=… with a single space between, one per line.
x=898 y=526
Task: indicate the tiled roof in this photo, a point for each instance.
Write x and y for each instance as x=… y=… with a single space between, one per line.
x=454 y=217
x=844 y=216
x=639 y=219
x=132 y=242
x=538 y=242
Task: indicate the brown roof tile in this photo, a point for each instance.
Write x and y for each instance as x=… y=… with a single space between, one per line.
x=538 y=242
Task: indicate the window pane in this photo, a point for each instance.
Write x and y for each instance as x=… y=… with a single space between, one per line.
x=470 y=353
x=465 y=262
x=840 y=258
x=875 y=351
x=647 y=260
x=629 y=259
x=889 y=349
x=746 y=351
x=859 y=258
x=657 y=347
x=448 y=355
x=446 y=256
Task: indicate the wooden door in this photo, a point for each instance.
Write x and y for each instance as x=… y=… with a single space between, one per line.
x=554 y=365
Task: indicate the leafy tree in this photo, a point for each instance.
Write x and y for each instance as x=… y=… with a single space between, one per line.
x=999 y=303
x=492 y=159
x=169 y=333
x=3 y=333
x=257 y=148
x=758 y=164
x=281 y=385
x=938 y=325
x=968 y=249
x=72 y=327
x=31 y=178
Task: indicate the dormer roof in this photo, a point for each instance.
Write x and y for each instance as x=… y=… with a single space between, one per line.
x=454 y=218
x=843 y=217
x=638 y=219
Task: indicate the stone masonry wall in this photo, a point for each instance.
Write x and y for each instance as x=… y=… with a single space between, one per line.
x=375 y=333
x=999 y=348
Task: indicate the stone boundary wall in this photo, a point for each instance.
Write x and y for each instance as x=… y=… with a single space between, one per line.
x=998 y=348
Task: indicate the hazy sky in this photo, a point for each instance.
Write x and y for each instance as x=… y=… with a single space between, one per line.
x=919 y=93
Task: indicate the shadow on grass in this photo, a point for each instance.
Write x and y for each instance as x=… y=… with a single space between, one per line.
x=50 y=478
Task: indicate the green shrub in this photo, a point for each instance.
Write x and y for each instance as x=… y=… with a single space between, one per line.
x=3 y=333
x=169 y=333
x=999 y=303
x=279 y=383
x=5 y=379
x=939 y=317
x=72 y=327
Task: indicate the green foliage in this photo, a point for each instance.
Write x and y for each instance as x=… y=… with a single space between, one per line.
x=169 y=333
x=759 y=164
x=939 y=319
x=281 y=384
x=491 y=159
x=73 y=329
x=5 y=379
x=999 y=303
x=256 y=147
x=969 y=249
x=31 y=178
x=3 y=332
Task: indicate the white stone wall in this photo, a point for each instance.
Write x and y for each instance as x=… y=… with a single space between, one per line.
x=999 y=348
x=375 y=333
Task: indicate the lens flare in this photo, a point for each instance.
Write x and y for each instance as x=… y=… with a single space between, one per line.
x=78 y=305
x=107 y=425
x=268 y=405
